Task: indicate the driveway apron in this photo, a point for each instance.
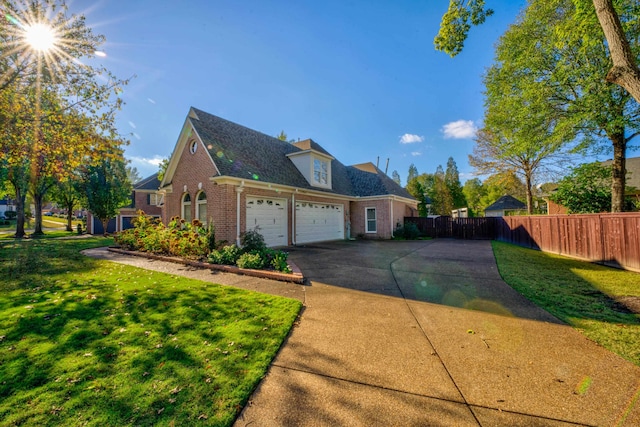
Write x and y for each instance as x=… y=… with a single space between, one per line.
x=427 y=333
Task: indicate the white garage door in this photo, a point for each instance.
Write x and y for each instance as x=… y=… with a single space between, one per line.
x=317 y=222
x=270 y=215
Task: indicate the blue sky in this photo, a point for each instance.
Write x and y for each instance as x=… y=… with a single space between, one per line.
x=361 y=78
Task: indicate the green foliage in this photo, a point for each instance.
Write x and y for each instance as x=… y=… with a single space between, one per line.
x=179 y=238
x=252 y=241
x=279 y=262
x=106 y=188
x=587 y=189
x=457 y=22
x=409 y=231
x=473 y=191
x=442 y=190
x=252 y=260
x=90 y=342
x=227 y=255
x=10 y=214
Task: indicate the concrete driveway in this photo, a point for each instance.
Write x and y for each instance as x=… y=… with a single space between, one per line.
x=425 y=333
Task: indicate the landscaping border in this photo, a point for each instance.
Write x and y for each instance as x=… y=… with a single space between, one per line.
x=295 y=277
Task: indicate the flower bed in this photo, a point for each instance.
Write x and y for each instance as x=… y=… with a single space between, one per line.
x=195 y=241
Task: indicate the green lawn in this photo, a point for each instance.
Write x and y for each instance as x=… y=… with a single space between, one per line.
x=587 y=296
x=89 y=342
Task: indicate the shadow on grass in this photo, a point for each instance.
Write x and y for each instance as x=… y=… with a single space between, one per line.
x=91 y=341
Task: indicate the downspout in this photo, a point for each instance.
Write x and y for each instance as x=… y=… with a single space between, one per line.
x=239 y=190
x=293 y=219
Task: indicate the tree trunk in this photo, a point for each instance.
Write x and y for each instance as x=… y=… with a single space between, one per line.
x=625 y=70
x=37 y=201
x=618 y=173
x=105 y=223
x=20 y=199
x=69 y=217
x=527 y=178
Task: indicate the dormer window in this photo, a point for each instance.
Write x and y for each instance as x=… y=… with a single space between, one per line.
x=320 y=172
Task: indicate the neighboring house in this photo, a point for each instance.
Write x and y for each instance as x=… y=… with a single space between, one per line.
x=144 y=197
x=632 y=165
x=504 y=205
x=7 y=204
x=294 y=193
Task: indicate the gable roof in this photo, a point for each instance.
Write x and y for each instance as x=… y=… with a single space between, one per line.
x=244 y=153
x=506 y=203
x=149 y=183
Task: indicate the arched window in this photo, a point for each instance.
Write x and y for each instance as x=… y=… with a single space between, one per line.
x=186 y=207
x=201 y=207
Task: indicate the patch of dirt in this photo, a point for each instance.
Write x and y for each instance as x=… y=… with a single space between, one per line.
x=630 y=303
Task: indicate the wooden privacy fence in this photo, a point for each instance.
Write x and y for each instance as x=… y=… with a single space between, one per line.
x=459 y=228
x=608 y=239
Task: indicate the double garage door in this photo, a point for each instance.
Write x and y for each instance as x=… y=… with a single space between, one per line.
x=315 y=222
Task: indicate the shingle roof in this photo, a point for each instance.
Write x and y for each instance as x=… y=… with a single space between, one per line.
x=506 y=203
x=244 y=153
x=149 y=183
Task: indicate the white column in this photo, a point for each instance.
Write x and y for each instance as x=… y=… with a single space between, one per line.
x=239 y=190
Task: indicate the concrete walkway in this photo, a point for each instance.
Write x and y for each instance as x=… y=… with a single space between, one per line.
x=387 y=338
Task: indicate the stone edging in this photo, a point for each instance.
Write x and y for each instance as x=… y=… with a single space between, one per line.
x=295 y=277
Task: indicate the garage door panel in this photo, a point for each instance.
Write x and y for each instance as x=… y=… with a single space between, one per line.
x=270 y=216
x=317 y=222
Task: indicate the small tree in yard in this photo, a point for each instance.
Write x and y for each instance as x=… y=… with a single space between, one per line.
x=586 y=189
x=106 y=188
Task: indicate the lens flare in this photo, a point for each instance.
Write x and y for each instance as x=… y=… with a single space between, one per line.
x=40 y=37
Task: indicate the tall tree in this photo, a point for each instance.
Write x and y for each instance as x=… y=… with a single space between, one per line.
x=395 y=176
x=413 y=173
x=452 y=181
x=106 y=188
x=624 y=71
x=68 y=196
x=560 y=65
x=473 y=191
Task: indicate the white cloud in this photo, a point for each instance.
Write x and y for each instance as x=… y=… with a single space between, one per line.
x=460 y=129
x=416 y=153
x=153 y=161
x=408 y=138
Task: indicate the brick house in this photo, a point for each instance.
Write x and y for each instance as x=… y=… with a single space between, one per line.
x=144 y=197
x=294 y=193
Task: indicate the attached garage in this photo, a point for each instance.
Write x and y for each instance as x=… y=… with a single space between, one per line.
x=270 y=216
x=317 y=222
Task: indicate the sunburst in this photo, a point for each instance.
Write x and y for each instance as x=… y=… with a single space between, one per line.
x=39 y=42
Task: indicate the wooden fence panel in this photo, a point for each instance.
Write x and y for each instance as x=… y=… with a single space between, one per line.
x=609 y=239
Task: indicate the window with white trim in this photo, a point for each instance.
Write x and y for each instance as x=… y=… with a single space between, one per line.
x=186 y=207
x=201 y=207
x=321 y=172
x=370 y=215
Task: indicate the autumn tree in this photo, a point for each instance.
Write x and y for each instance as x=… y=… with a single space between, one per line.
x=43 y=89
x=623 y=71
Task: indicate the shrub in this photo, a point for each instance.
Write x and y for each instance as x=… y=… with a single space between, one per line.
x=279 y=262
x=11 y=214
x=252 y=241
x=251 y=260
x=409 y=231
x=228 y=255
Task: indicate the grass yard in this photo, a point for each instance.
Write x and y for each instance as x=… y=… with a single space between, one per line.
x=89 y=342
x=592 y=298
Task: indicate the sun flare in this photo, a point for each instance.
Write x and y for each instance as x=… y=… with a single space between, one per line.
x=40 y=37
